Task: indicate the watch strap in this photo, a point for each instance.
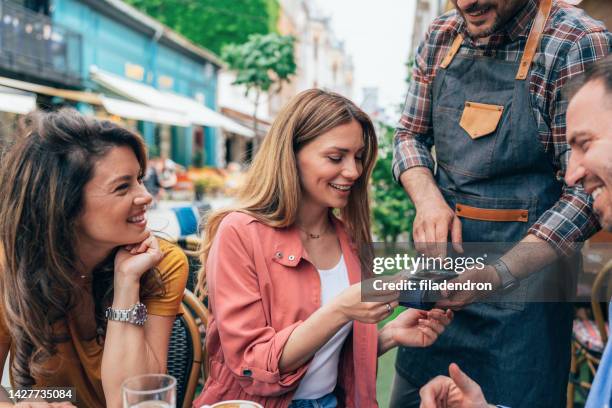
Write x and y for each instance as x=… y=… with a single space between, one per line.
x=127 y=315
x=508 y=281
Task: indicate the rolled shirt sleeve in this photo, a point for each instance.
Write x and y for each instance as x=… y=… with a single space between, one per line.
x=251 y=346
x=413 y=136
x=571 y=220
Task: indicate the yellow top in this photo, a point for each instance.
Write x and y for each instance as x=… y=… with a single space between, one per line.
x=78 y=361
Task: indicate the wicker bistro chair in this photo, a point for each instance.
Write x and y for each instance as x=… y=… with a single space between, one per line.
x=589 y=340
x=190 y=246
x=186 y=350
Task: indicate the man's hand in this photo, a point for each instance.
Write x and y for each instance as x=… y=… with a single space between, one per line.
x=431 y=228
x=458 y=391
x=458 y=299
x=434 y=218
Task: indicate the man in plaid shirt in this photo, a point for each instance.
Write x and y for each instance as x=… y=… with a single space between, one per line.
x=589 y=129
x=487 y=93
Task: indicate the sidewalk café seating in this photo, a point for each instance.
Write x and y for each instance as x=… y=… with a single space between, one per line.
x=188 y=220
x=174 y=222
x=190 y=246
x=589 y=340
x=167 y=225
x=186 y=352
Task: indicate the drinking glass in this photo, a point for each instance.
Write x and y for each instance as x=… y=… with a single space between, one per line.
x=149 y=391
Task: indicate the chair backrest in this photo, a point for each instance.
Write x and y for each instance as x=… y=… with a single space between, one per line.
x=186 y=349
x=180 y=357
x=193 y=259
x=188 y=219
x=601 y=280
x=200 y=312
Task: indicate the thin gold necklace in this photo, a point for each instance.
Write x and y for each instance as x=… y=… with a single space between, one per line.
x=311 y=235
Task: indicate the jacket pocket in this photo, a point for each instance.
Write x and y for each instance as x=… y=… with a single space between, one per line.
x=480 y=119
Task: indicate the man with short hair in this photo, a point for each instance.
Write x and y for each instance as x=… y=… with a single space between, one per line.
x=486 y=93
x=589 y=123
x=589 y=133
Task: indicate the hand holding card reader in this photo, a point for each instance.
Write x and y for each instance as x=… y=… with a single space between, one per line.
x=422 y=297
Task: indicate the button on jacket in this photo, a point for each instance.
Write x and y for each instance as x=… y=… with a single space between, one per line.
x=261 y=287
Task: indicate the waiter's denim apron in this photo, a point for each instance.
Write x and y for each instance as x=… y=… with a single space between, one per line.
x=489 y=156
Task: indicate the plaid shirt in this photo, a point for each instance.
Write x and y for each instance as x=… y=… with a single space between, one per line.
x=571 y=40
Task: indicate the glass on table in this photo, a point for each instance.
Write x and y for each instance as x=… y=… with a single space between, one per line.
x=149 y=391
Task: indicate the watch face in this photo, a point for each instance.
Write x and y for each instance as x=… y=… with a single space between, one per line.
x=140 y=313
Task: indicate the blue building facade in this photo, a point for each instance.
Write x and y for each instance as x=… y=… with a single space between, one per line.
x=117 y=39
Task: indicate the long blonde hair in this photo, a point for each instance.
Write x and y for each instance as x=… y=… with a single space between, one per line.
x=272 y=192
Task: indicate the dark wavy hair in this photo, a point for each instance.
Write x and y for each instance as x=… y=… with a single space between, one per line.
x=43 y=174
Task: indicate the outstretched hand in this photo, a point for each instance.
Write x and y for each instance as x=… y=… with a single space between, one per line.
x=419 y=328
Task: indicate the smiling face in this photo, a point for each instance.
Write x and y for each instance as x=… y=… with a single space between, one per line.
x=484 y=17
x=115 y=202
x=589 y=133
x=329 y=166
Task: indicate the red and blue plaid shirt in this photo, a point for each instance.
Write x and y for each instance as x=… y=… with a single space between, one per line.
x=571 y=41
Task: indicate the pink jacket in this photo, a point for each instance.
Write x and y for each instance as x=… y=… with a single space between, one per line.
x=261 y=288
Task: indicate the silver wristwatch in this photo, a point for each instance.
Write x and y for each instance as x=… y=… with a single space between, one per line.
x=508 y=281
x=136 y=314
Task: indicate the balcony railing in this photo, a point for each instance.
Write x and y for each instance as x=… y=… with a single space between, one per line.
x=31 y=44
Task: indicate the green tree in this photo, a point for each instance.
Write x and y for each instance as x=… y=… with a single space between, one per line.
x=260 y=63
x=392 y=211
x=213 y=23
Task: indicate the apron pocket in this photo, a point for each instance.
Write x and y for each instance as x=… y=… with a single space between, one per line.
x=480 y=119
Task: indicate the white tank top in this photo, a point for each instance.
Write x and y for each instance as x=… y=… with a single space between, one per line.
x=322 y=374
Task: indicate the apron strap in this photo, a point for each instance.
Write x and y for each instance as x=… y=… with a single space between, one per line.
x=534 y=38
x=452 y=52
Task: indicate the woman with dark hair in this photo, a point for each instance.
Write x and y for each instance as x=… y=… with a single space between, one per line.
x=282 y=268
x=88 y=294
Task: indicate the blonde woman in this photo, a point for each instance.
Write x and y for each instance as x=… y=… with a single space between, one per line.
x=288 y=327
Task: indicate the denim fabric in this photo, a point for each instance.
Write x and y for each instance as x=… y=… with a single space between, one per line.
x=327 y=401
x=517 y=351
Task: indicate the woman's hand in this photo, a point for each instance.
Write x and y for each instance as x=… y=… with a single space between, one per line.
x=132 y=261
x=349 y=304
x=418 y=328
